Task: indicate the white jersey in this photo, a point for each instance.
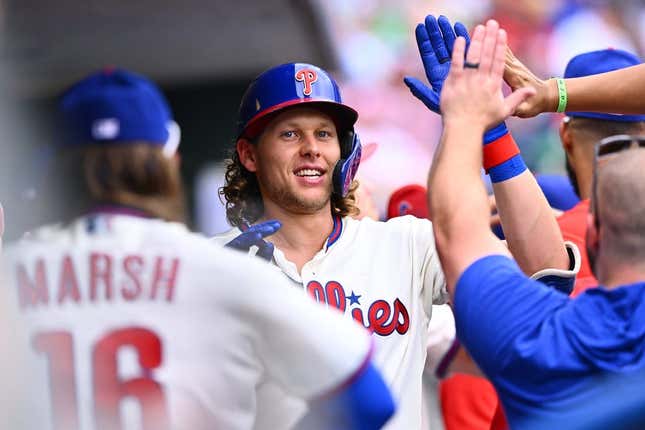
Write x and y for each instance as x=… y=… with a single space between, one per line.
x=386 y=275
x=138 y=323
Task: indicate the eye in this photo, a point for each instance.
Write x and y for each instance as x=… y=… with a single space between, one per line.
x=288 y=134
x=325 y=134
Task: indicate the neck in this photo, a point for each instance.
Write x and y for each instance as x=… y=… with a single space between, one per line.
x=584 y=176
x=301 y=235
x=613 y=275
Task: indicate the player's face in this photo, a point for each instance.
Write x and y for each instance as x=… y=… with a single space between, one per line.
x=295 y=159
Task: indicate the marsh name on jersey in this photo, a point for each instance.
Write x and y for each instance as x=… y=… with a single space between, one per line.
x=95 y=277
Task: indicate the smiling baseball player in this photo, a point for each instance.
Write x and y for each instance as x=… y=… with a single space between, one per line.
x=295 y=159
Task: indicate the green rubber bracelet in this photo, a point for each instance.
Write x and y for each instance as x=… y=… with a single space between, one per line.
x=562 y=94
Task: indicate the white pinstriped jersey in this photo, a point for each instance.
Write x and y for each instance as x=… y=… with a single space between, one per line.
x=386 y=275
x=137 y=323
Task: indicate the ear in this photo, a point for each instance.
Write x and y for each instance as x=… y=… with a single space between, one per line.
x=566 y=137
x=246 y=152
x=592 y=232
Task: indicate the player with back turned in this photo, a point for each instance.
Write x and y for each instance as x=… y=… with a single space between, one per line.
x=293 y=166
x=134 y=322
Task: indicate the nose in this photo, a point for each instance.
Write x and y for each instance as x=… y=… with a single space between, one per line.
x=310 y=146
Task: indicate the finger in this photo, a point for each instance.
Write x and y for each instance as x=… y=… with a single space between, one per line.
x=419 y=90
x=488 y=46
x=497 y=68
x=436 y=39
x=458 y=50
x=461 y=30
x=426 y=51
x=516 y=98
x=449 y=35
x=266 y=228
x=474 y=51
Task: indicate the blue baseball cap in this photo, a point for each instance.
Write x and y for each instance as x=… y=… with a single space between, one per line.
x=594 y=62
x=118 y=106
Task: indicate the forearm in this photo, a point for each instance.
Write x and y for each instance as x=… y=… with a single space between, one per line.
x=458 y=200
x=620 y=91
x=531 y=231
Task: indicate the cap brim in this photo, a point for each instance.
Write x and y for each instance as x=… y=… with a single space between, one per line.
x=344 y=116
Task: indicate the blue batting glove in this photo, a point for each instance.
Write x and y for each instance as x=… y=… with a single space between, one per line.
x=254 y=236
x=435 y=40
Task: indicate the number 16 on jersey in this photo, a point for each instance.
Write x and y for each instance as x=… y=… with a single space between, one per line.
x=107 y=389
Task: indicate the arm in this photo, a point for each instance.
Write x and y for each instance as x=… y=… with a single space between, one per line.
x=621 y=91
x=460 y=207
x=363 y=404
x=531 y=230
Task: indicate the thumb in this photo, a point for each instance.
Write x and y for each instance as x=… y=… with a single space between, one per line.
x=516 y=98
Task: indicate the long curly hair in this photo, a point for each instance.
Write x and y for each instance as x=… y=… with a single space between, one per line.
x=134 y=174
x=244 y=201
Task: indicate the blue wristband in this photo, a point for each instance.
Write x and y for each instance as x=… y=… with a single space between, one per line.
x=495 y=133
x=508 y=169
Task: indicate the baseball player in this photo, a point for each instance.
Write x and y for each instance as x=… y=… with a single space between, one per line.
x=134 y=322
x=295 y=158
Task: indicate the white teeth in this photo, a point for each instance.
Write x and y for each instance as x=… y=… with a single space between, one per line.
x=308 y=172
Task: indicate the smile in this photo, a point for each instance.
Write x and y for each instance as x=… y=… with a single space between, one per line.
x=309 y=173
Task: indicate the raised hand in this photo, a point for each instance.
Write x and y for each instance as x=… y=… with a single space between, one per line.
x=472 y=92
x=435 y=40
x=254 y=236
x=517 y=75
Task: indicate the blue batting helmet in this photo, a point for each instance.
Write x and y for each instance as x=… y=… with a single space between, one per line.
x=288 y=85
x=294 y=84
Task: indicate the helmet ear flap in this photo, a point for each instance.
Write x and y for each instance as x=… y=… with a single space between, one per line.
x=346 y=168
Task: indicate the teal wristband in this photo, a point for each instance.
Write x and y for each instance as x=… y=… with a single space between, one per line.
x=562 y=94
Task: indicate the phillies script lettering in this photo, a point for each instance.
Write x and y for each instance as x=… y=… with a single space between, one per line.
x=383 y=318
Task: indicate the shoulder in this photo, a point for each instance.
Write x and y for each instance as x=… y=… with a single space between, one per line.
x=404 y=225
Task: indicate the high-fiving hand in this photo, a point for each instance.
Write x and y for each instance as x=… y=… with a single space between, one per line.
x=478 y=80
x=435 y=39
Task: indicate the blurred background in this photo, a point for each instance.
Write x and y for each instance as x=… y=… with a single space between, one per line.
x=204 y=54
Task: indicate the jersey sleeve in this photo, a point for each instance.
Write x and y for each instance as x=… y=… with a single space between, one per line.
x=433 y=283
x=308 y=349
x=441 y=346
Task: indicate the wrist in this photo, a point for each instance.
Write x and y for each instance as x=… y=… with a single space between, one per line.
x=552 y=99
x=461 y=125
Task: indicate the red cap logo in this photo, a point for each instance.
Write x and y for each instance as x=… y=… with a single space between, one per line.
x=307 y=77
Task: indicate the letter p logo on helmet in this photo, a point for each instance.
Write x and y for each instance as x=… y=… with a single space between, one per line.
x=307 y=77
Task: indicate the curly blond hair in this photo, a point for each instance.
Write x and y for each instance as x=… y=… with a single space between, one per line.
x=244 y=201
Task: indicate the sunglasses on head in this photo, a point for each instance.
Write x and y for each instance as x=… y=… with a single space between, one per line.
x=613 y=144
x=604 y=148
